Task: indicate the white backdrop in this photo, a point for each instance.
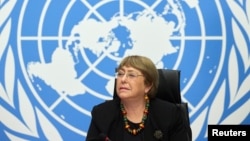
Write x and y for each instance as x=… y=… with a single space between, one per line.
x=57 y=60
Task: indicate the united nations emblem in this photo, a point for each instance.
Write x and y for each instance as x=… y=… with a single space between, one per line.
x=67 y=53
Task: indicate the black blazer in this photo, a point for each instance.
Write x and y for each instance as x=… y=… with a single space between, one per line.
x=107 y=120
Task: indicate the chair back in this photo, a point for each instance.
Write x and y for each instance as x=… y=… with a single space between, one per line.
x=169 y=85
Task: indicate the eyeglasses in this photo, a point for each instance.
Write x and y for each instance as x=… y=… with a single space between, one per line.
x=129 y=75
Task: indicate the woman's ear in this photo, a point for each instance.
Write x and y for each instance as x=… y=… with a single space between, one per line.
x=148 y=88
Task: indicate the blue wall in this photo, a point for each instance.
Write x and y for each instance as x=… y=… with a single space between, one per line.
x=57 y=60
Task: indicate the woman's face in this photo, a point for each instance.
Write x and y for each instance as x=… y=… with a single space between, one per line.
x=130 y=83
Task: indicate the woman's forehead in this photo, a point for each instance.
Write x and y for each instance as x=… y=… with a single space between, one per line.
x=128 y=68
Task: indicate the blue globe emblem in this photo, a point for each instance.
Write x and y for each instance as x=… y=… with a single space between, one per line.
x=75 y=51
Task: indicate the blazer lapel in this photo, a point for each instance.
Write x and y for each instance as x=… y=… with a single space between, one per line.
x=116 y=130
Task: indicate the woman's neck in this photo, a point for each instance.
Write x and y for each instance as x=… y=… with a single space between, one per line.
x=135 y=110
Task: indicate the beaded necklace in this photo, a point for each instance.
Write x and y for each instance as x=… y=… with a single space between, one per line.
x=141 y=124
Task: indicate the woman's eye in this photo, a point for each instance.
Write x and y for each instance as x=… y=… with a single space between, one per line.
x=131 y=75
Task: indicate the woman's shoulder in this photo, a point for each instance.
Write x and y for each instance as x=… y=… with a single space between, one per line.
x=164 y=112
x=163 y=104
x=107 y=106
x=159 y=106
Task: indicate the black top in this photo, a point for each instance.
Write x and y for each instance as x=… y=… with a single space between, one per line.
x=164 y=123
x=138 y=137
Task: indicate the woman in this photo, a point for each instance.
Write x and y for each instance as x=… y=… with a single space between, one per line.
x=136 y=115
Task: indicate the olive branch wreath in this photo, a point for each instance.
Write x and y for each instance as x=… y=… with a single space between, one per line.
x=237 y=90
x=30 y=116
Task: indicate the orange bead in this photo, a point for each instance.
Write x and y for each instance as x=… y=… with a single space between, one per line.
x=127 y=126
x=134 y=131
x=141 y=125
